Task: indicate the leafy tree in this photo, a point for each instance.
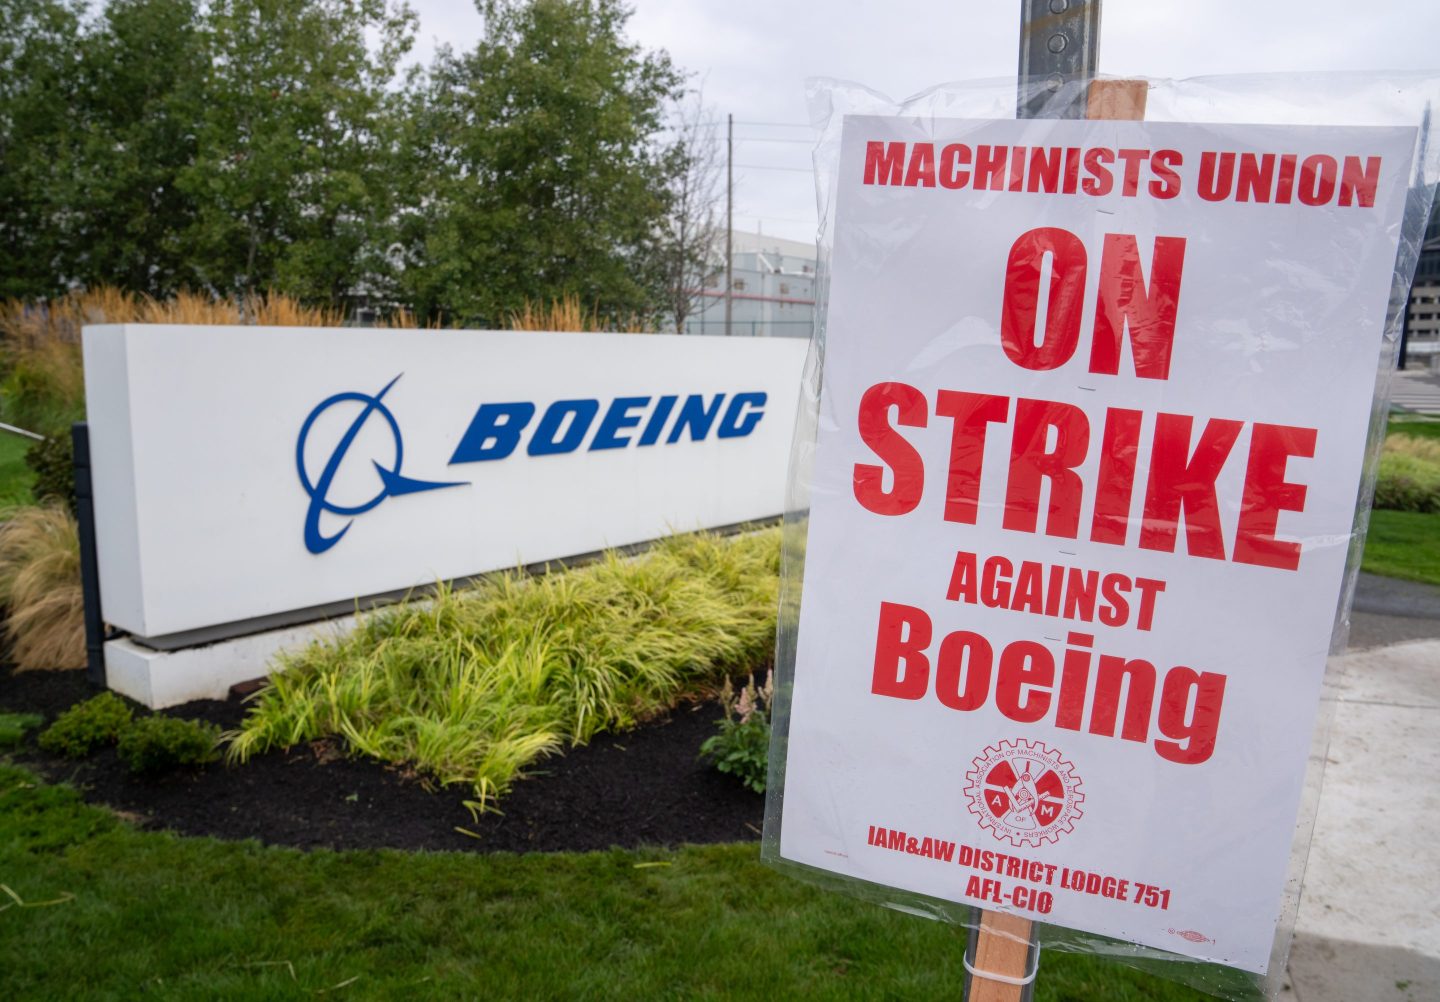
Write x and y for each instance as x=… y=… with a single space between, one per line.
x=291 y=174
x=545 y=171
x=242 y=145
x=138 y=101
x=38 y=84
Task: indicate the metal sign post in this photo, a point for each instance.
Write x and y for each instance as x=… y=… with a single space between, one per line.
x=1059 y=53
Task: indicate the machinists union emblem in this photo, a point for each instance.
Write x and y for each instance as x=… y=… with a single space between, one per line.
x=1025 y=792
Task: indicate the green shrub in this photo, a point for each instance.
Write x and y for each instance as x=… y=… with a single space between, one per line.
x=1407 y=482
x=43 y=389
x=86 y=726
x=474 y=686
x=14 y=725
x=53 y=463
x=160 y=743
x=742 y=748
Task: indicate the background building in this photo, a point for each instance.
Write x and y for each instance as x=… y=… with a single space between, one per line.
x=773 y=293
x=1423 y=320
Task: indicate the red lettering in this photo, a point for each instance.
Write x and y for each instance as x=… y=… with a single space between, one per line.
x=907 y=469
x=1254 y=177
x=1357 y=184
x=922 y=166
x=884 y=162
x=1214 y=183
x=972 y=413
x=990 y=167
x=1116 y=609
x=1074 y=681
x=1285 y=183
x=1020 y=305
x=1148 y=589
x=901 y=639
x=1027 y=671
x=1138 y=679
x=1072 y=170
x=967 y=656
x=1080 y=594
x=1044 y=170
x=1178 y=484
x=1193 y=732
x=1100 y=181
x=995 y=582
x=1133 y=161
x=1115 y=482
x=1017 y=168
x=952 y=158
x=1167 y=180
x=1028 y=588
x=962 y=579
x=1267 y=494
x=1317 y=179
x=1126 y=302
x=1032 y=459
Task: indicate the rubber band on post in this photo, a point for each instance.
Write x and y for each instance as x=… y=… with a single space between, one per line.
x=975 y=973
x=1005 y=979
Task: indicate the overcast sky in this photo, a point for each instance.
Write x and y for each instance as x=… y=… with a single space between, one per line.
x=753 y=57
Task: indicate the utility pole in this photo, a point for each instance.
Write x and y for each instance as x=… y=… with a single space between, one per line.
x=729 y=214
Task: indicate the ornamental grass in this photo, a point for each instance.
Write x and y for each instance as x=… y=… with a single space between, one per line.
x=473 y=687
x=566 y=314
x=42 y=383
x=40 y=586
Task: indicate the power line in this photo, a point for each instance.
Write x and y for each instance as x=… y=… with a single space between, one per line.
x=798 y=170
x=763 y=125
x=767 y=217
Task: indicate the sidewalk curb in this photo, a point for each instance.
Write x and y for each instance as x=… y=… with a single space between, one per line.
x=1394 y=597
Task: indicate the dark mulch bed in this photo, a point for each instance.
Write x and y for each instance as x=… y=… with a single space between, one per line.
x=644 y=787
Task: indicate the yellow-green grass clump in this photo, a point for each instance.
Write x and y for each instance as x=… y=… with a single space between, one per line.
x=473 y=686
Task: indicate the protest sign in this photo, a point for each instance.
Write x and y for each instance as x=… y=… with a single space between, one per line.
x=1093 y=420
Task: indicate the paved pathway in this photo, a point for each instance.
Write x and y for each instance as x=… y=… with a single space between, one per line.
x=1369 y=921
x=1417 y=390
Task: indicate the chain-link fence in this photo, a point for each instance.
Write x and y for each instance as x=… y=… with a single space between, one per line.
x=750 y=328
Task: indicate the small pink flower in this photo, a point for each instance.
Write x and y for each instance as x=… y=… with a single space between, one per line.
x=746 y=706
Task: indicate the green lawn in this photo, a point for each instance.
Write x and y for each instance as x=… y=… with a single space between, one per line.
x=1417 y=426
x=180 y=918
x=15 y=476
x=1404 y=544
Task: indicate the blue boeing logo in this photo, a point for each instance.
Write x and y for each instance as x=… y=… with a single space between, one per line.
x=502 y=429
x=392 y=483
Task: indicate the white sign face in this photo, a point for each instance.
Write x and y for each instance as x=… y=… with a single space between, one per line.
x=246 y=471
x=1094 y=410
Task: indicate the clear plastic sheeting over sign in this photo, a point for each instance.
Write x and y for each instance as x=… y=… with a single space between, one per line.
x=1085 y=456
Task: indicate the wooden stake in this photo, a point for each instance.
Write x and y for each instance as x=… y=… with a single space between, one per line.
x=1118 y=100
x=1003 y=944
x=1003 y=948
